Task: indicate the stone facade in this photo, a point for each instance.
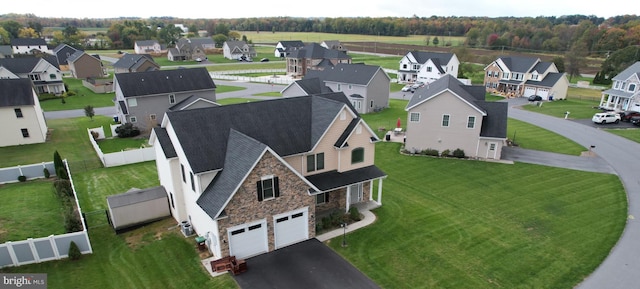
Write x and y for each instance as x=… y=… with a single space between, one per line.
x=244 y=206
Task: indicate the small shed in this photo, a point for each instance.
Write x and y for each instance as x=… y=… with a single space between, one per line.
x=137 y=207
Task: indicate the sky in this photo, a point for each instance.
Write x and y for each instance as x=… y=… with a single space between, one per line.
x=326 y=8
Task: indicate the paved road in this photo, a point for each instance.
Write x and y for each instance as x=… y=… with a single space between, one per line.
x=621 y=269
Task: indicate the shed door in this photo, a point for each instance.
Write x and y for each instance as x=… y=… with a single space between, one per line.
x=248 y=240
x=291 y=227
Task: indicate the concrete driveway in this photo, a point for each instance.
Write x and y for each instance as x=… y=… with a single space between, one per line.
x=307 y=265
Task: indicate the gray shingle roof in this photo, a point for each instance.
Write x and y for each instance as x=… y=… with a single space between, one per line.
x=333 y=180
x=241 y=155
x=73 y=57
x=164 y=81
x=16 y=92
x=136 y=196
x=520 y=64
x=549 y=80
x=63 y=51
x=423 y=56
x=360 y=74
x=131 y=61
x=541 y=67
x=28 y=41
x=312 y=85
x=146 y=42
x=494 y=124
x=26 y=64
x=316 y=51
x=288 y=126
x=292 y=44
x=165 y=142
x=628 y=72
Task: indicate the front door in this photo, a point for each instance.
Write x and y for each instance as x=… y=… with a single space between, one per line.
x=355 y=194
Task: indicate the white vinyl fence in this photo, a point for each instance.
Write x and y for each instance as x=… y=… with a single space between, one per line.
x=53 y=247
x=272 y=79
x=122 y=157
x=33 y=171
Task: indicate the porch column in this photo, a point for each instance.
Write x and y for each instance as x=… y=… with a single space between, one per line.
x=602 y=100
x=346 y=208
x=380 y=192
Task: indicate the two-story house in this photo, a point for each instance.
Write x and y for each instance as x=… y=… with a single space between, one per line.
x=83 y=65
x=624 y=93
x=520 y=76
x=426 y=67
x=283 y=48
x=44 y=72
x=20 y=113
x=135 y=63
x=6 y=51
x=62 y=52
x=366 y=86
x=191 y=49
x=448 y=115
x=30 y=46
x=142 y=98
x=147 y=46
x=334 y=44
x=238 y=50
x=254 y=177
x=313 y=57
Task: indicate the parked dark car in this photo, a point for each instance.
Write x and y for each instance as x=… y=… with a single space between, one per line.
x=627 y=115
x=535 y=98
x=635 y=120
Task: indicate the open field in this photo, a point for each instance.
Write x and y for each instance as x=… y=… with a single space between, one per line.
x=273 y=38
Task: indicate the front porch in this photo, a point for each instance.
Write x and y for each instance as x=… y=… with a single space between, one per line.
x=613 y=102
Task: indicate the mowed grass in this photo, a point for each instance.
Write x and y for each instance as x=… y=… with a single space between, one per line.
x=18 y=203
x=577 y=108
x=155 y=256
x=631 y=134
x=318 y=37
x=469 y=224
x=83 y=97
x=529 y=136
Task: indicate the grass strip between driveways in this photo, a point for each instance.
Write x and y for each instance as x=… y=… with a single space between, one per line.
x=469 y=224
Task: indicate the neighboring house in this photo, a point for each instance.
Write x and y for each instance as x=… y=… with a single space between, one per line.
x=313 y=57
x=283 y=48
x=30 y=46
x=20 y=114
x=333 y=44
x=147 y=46
x=427 y=66
x=191 y=49
x=83 y=65
x=238 y=50
x=305 y=86
x=624 y=93
x=63 y=52
x=44 y=72
x=135 y=63
x=519 y=76
x=448 y=115
x=255 y=177
x=366 y=86
x=142 y=98
x=6 y=51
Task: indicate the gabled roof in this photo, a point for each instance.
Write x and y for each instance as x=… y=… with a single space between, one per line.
x=146 y=42
x=16 y=92
x=423 y=56
x=360 y=74
x=541 y=67
x=136 y=196
x=130 y=61
x=28 y=42
x=633 y=69
x=26 y=64
x=62 y=50
x=202 y=41
x=164 y=81
x=185 y=103
x=291 y=44
x=494 y=124
x=288 y=126
x=311 y=85
x=549 y=80
x=235 y=44
x=165 y=142
x=316 y=51
x=333 y=179
x=522 y=64
x=73 y=57
x=469 y=94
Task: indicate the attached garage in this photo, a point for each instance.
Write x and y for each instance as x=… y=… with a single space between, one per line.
x=137 y=207
x=529 y=91
x=291 y=227
x=248 y=239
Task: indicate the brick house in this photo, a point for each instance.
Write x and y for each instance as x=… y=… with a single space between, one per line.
x=254 y=177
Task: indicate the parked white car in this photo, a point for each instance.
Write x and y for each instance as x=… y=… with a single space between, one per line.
x=606 y=117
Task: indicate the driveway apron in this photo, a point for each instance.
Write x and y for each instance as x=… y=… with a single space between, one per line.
x=622 y=267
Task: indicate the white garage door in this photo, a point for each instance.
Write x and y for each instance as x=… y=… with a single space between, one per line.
x=529 y=91
x=544 y=92
x=248 y=240
x=291 y=227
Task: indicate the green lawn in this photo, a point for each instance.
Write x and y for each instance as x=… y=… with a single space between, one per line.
x=632 y=134
x=19 y=201
x=234 y=100
x=116 y=144
x=389 y=62
x=83 y=97
x=228 y=88
x=487 y=225
x=577 y=108
x=533 y=137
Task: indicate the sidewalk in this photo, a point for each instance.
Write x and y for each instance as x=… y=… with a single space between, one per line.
x=368 y=219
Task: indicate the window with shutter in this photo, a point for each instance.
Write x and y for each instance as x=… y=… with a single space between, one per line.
x=268 y=188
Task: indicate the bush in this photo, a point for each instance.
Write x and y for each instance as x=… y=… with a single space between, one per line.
x=47 y=96
x=127 y=130
x=458 y=153
x=22 y=179
x=74 y=251
x=445 y=153
x=430 y=152
x=63 y=188
x=72 y=221
x=354 y=214
x=46 y=172
x=95 y=135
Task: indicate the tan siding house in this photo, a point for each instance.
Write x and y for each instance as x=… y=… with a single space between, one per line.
x=20 y=114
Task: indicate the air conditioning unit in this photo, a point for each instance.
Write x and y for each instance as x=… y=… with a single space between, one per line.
x=187 y=230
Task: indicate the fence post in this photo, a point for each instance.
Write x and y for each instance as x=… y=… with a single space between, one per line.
x=12 y=253
x=52 y=241
x=34 y=251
